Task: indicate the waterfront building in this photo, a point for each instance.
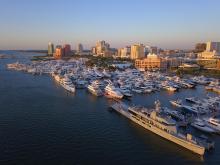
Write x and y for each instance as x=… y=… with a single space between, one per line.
x=80 y=48
x=152 y=62
x=102 y=49
x=174 y=62
x=153 y=50
x=67 y=50
x=213 y=46
x=59 y=53
x=212 y=51
x=137 y=51
x=208 y=55
x=124 y=52
x=50 y=49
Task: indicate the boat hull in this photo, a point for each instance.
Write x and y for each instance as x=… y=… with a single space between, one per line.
x=185 y=144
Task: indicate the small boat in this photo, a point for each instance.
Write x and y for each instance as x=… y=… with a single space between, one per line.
x=173 y=113
x=213 y=122
x=177 y=103
x=200 y=125
x=193 y=100
x=127 y=93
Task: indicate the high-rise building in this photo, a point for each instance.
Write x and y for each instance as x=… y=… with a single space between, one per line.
x=213 y=46
x=79 y=48
x=102 y=49
x=67 y=49
x=50 y=49
x=124 y=52
x=137 y=51
x=59 y=53
x=93 y=50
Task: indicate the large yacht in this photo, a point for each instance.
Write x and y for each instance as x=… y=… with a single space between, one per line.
x=112 y=91
x=95 y=90
x=160 y=124
x=67 y=84
x=57 y=77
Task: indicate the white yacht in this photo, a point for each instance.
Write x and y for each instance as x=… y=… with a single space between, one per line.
x=177 y=103
x=67 y=84
x=112 y=91
x=106 y=74
x=57 y=77
x=200 y=125
x=95 y=90
x=213 y=122
x=126 y=92
x=154 y=121
x=170 y=88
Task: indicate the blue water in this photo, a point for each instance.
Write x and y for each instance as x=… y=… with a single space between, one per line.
x=40 y=123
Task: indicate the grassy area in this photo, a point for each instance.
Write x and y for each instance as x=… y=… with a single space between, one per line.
x=104 y=62
x=198 y=72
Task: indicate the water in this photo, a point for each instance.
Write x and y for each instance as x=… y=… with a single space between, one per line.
x=42 y=124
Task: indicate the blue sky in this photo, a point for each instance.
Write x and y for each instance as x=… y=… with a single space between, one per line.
x=31 y=24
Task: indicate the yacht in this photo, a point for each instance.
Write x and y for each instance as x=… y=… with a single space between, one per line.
x=67 y=84
x=95 y=90
x=162 y=125
x=170 y=88
x=126 y=92
x=177 y=103
x=193 y=100
x=193 y=109
x=57 y=77
x=113 y=92
x=213 y=122
x=106 y=74
x=173 y=113
x=200 y=125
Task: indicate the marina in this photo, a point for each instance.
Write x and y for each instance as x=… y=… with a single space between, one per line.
x=151 y=88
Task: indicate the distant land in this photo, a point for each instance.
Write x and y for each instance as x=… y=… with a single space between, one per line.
x=32 y=51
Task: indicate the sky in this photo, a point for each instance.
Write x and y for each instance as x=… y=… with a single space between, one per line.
x=169 y=24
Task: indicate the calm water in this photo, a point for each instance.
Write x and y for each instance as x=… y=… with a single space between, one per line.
x=42 y=124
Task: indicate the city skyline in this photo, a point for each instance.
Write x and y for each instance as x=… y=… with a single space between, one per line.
x=30 y=24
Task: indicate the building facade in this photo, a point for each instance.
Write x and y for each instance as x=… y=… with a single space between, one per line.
x=212 y=51
x=137 y=51
x=67 y=50
x=59 y=53
x=50 y=49
x=80 y=49
x=124 y=52
x=102 y=49
x=213 y=46
x=152 y=62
